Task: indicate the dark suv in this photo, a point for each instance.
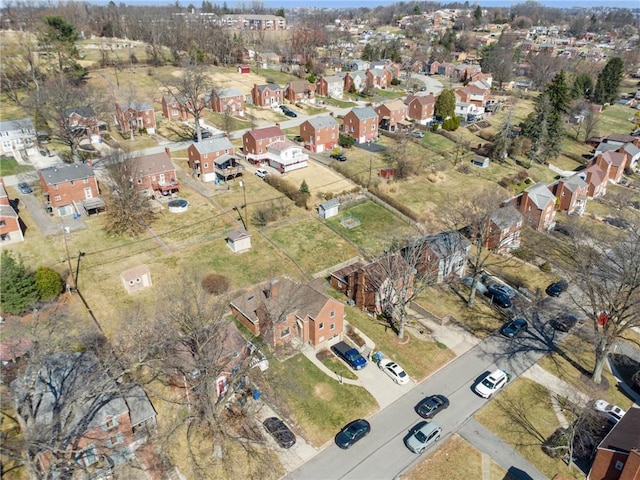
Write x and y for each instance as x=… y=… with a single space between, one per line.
x=498 y=297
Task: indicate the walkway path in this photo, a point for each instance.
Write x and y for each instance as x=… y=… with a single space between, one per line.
x=556 y=385
x=563 y=173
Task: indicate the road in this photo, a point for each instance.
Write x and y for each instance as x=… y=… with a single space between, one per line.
x=382 y=454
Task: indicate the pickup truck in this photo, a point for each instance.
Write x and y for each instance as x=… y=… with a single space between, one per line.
x=349 y=355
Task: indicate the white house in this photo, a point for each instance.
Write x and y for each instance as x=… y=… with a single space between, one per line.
x=17 y=136
x=468 y=111
x=286 y=156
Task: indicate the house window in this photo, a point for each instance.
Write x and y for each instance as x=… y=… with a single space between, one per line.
x=206 y=165
x=332 y=326
x=332 y=314
x=619 y=465
x=320 y=326
x=139 y=181
x=57 y=198
x=88 y=455
x=285 y=332
x=114 y=440
x=2 y=223
x=110 y=423
x=85 y=180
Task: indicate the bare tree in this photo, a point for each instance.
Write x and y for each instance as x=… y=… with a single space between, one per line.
x=544 y=65
x=20 y=71
x=590 y=123
x=189 y=91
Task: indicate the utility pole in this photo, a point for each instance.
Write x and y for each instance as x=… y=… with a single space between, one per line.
x=66 y=248
x=244 y=192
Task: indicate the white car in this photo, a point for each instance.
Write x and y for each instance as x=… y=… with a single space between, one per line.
x=612 y=412
x=261 y=172
x=491 y=383
x=394 y=371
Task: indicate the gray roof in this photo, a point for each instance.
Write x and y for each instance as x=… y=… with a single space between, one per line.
x=7 y=211
x=333 y=79
x=540 y=195
x=85 y=112
x=66 y=173
x=140 y=407
x=229 y=92
x=11 y=125
x=135 y=105
x=574 y=182
x=334 y=202
x=363 y=113
x=444 y=244
x=607 y=147
x=631 y=149
x=506 y=217
x=213 y=145
x=323 y=122
x=270 y=86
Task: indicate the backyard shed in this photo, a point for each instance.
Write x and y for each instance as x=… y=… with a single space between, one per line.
x=329 y=208
x=480 y=161
x=136 y=278
x=239 y=241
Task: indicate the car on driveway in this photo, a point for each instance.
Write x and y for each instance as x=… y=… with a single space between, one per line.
x=350 y=355
x=417 y=134
x=506 y=289
x=394 y=371
x=430 y=406
x=480 y=287
x=564 y=323
x=422 y=436
x=491 y=383
x=497 y=297
x=261 y=172
x=352 y=432
x=557 y=288
x=514 y=327
x=288 y=112
x=338 y=156
x=203 y=133
x=280 y=432
x=25 y=188
x=612 y=412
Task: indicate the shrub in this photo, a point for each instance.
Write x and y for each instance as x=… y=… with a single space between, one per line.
x=18 y=289
x=346 y=142
x=215 y=284
x=525 y=254
x=464 y=168
x=395 y=81
x=546 y=267
x=48 y=283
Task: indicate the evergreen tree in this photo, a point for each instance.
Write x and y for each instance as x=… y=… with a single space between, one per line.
x=608 y=83
x=445 y=104
x=304 y=188
x=48 y=283
x=17 y=285
x=477 y=15
x=582 y=86
x=368 y=53
x=558 y=92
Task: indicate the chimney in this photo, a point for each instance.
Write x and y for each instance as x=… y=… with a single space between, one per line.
x=274 y=288
x=167 y=150
x=277 y=125
x=331 y=114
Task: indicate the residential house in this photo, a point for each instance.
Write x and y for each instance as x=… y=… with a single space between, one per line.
x=446 y=69
x=632 y=152
x=286 y=156
x=155 y=173
x=357 y=65
x=10 y=228
x=432 y=67
x=468 y=112
x=355 y=81
x=571 y=193
x=213 y=158
x=82 y=120
x=613 y=163
x=621 y=139
x=378 y=78
x=228 y=100
x=392 y=116
x=596 y=178
x=421 y=108
x=74 y=412
x=361 y=123
x=267 y=59
x=473 y=94
x=269 y=95
x=255 y=142
x=17 y=136
x=284 y=312
x=504 y=229
x=618 y=454
x=464 y=71
x=330 y=86
x=135 y=116
x=175 y=108
x=320 y=134
x=300 y=91
x=439 y=256
x=537 y=204
x=70 y=189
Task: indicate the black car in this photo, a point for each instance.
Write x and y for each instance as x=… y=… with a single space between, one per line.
x=564 y=323
x=557 y=288
x=24 y=188
x=203 y=133
x=429 y=406
x=498 y=297
x=280 y=432
x=514 y=327
x=339 y=157
x=290 y=113
x=352 y=432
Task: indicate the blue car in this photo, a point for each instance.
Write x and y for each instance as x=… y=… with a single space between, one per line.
x=514 y=327
x=352 y=432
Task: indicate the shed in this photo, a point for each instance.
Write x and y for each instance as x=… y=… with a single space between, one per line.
x=480 y=161
x=136 y=278
x=387 y=172
x=244 y=69
x=239 y=241
x=329 y=208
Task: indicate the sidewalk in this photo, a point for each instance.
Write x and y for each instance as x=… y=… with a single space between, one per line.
x=456 y=338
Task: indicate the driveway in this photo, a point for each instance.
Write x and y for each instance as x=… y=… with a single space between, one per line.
x=49 y=225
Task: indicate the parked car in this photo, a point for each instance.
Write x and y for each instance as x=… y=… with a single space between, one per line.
x=280 y=432
x=338 y=156
x=25 y=188
x=618 y=222
x=563 y=230
x=491 y=383
x=394 y=371
x=203 y=133
x=480 y=287
x=350 y=355
x=430 y=406
x=261 y=172
x=352 y=432
x=514 y=327
x=422 y=436
x=290 y=113
x=497 y=297
x=612 y=412
x=564 y=323
x=506 y=289
x=557 y=288
x=417 y=134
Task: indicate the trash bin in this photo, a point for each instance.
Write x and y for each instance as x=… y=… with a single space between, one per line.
x=256 y=394
x=76 y=215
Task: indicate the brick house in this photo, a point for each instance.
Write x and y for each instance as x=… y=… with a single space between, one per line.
x=135 y=115
x=361 y=123
x=17 y=136
x=82 y=120
x=613 y=163
x=392 y=115
x=67 y=188
x=330 y=86
x=473 y=94
x=505 y=226
x=596 y=178
x=175 y=108
x=267 y=59
x=300 y=91
x=155 y=173
x=269 y=95
x=439 y=256
x=537 y=204
x=283 y=311
x=357 y=80
x=571 y=193
x=228 y=100
x=378 y=78
x=432 y=67
x=213 y=158
x=10 y=229
x=255 y=142
x=446 y=69
x=618 y=455
x=96 y=422
x=320 y=133
x=421 y=108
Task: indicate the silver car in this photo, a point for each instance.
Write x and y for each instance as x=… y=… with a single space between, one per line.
x=422 y=436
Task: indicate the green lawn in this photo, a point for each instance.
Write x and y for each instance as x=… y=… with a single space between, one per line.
x=274 y=76
x=225 y=123
x=9 y=166
x=337 y=103
x=615 y=119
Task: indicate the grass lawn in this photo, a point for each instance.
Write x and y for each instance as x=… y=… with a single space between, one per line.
x=438 y=143
x=378 y=226
x=9 y=166
x=318 y=404
x=518 y=273
x=337 y=103
x=339 y=367
x=174 y=130
x=456 y=459
x=275 y=76
x=387 y=94
x=223 y=123
x=501 y=415
x=139 y=142
x=419 y=358
x=615 y=119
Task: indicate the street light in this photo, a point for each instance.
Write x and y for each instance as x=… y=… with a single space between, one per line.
x=244 y=192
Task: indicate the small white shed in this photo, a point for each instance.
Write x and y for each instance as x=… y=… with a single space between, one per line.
x=329 y=208
x=136 y=278
x=239 y=241
x=480 y=161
